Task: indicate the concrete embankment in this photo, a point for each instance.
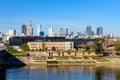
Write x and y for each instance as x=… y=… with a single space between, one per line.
x=30 y=61
x=22 y=61
x=40 y=59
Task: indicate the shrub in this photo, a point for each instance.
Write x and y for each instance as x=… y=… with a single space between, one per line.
x=20 y=54
x=52 y=62
x=50 y=57
x=86 y=57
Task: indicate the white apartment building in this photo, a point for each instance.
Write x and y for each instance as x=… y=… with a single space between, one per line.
x=11 y=32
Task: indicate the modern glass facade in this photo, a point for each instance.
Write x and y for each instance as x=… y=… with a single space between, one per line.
x=24 y=29
x=38 y=29
x=100 y=31
x=89 y=31
x=63 y=32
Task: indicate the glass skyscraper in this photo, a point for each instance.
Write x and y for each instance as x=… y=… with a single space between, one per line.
x=38 y=29
x=50 y=31
x=63 y=32
x=100 y=31
x=24 y=29
x=89 y=31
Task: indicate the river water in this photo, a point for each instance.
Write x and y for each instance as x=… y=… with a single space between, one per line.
x=61 y=73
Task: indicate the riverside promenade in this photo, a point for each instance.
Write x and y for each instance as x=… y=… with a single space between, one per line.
x=43 y=59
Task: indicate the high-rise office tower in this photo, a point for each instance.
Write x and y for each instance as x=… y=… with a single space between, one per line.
x=24 y=29
x=89 y=31
x=50 y=31
x=30 y=29
x=63 y=32
x=100 y=31
x=38 y=29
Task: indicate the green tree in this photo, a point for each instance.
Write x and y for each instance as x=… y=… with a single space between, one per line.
x=43 y=46
x=98 y=47
x=9 y=48
x=76 y=51
x=46 y=48
x=40 y=49
x=53 y=48
x=24 y=47
x=83 y=52
x=87 y=49
x=89 y=52
x=117 y=45
x=69 y=51
x=58 y=52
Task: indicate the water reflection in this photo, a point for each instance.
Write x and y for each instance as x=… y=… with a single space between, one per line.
x=62 y=73
x=117 y=75
x=107 y=73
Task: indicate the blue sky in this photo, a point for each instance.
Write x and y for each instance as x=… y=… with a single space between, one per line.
x=73 y=14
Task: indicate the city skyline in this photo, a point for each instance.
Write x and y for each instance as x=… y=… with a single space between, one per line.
x=64 y=32
x=28 y=30
x=73 y=14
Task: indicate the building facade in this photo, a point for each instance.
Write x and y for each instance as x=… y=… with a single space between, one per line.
x=38 y=29
x=18 y=40
x=11 y=32
x=49 y=45
x=100 y=31
x=30 y=29
x=63 y=32
x=50 y=31
x=24 y=29
x=89 y=31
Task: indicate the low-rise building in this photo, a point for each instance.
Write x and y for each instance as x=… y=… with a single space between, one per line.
x=49 y=45
x=19 y=40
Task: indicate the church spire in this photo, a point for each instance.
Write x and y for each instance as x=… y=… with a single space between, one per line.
x=30 y=29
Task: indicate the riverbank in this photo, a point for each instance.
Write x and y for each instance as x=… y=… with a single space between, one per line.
x=7 y=59
x=71 y=62
x=30 y=62
x=42 y=59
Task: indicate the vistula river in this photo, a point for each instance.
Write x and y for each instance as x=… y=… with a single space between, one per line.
x=61 y=73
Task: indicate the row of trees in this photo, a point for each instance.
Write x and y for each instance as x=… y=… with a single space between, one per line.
x=24 y=47
x=11 y=49
x=96 y=47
